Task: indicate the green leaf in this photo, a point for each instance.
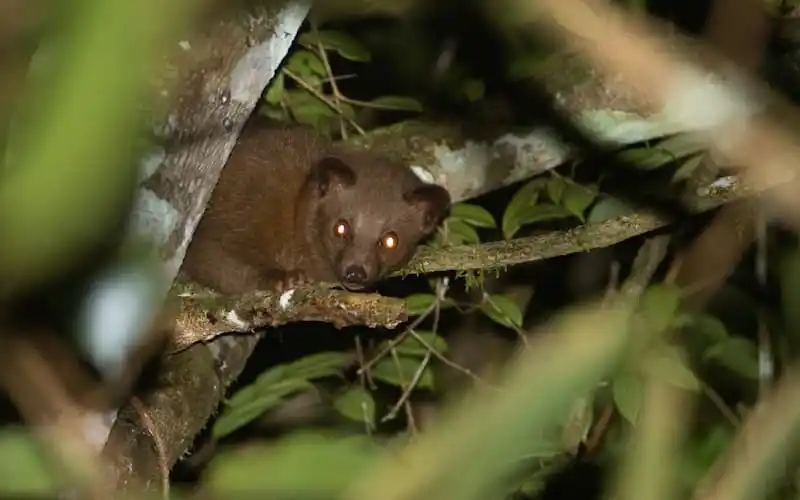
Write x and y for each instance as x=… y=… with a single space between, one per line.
x=277 y=114
x=473 y=89
x=411 y=346
x=24 y=468
x=534 y=485
x=302 y=465
x=525 y=66
x=260 y=390
x=701 y=453
x=608 y=208
x=525 y=197
x=474 y=215
x=707 y=329
x=307 y=109
x=265 y=386
x=713 y=442
x=538 y=213
x=399 y=440
x=274 y=94
x=386 y=370
x=647 y=158
x=682 y=145
x=577 y=198
x=738 y=354
x=627 y=391
x=323 y=364
x=284 y=379
x=461 y=233
x=418 y=303
x=670 y=366
x=555 y=189
x=234 y=418
x=398 y=102
x=637 y=5
x=502 y=310
x=356 y=404
x=687 y=168
x=659 y=306
x=272 y=386
x=308 y=66
x=338 y=41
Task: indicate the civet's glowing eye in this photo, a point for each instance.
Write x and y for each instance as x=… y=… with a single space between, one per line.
x=389 y=240
x=341 y=228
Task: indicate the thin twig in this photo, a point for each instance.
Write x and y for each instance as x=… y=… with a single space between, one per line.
x=723 y=408
x=364 y=379
x=407 y=389
x=319 y=95
x=412 y=423
x=337 y=96
x=451 y=364
x=435 y=307
x=394 y=342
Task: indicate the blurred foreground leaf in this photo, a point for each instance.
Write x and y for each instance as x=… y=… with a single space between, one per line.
x=23 y=467
x=304 y=464
x=74 y=171
x=486 y=437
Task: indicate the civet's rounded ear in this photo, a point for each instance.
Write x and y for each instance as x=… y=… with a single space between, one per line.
x=433 y=203
x=331 y=173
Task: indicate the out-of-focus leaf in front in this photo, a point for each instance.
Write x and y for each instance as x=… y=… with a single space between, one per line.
x=73 y=171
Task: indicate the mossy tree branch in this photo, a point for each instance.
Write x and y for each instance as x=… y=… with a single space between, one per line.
x=321 y=303
x=205 y=315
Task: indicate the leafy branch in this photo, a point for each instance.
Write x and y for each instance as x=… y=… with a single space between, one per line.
x=318 y=100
